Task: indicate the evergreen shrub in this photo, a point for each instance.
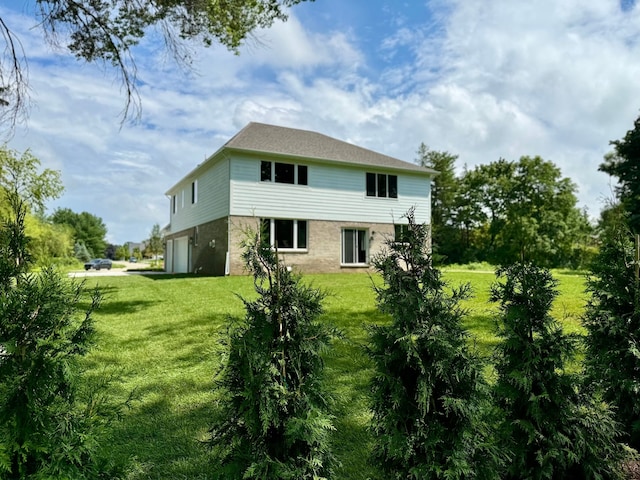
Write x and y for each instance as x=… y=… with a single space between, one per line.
x=428 y=393
x=612 y=321
x=549 y=428
x=273 y=420
x=47 y=430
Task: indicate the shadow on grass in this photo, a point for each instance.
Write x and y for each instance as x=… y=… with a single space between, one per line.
x=160 y=438
x=168 y=276
x=349 y=373
x=123 y=307
x=482 y=329
x=171 y=364
x=174 y=400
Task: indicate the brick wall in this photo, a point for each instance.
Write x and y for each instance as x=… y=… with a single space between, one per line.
x=323 y=249
x=210 y=245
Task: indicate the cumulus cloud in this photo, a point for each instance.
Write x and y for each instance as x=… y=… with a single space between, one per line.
x=483 y=80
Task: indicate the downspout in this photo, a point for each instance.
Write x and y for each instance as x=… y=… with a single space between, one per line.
x=227 y=258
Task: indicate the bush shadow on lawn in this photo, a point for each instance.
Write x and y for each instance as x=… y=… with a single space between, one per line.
x=170 y=368
x=349 y=373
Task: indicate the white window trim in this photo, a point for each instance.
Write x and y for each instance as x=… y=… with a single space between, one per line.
x=342 y=247
x=194 y=190
x=272 y=235
x=295 y=174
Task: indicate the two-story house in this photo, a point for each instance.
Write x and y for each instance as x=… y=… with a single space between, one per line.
x=327 y=205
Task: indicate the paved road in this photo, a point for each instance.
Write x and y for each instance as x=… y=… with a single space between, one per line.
x=114 y=272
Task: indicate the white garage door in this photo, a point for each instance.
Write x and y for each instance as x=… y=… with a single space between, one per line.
x=168 y=257
x=181 y=255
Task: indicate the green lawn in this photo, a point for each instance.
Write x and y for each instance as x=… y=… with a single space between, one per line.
x=158 y=336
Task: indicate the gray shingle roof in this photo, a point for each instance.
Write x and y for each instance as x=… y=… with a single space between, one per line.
x=260 y=137
x=293 y=142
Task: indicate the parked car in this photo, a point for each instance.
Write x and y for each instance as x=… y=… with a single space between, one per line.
x=133 y=259
x=98 y=263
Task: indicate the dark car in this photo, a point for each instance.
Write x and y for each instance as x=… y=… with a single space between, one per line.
x=98 y=263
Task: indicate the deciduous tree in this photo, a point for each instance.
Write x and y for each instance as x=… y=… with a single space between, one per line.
x=88 y=229
x=107 y=30
x=444 y=195
x=154 y=244
x=529 y=211
x=624 y=164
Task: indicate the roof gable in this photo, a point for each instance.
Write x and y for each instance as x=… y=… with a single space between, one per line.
x=263 y=138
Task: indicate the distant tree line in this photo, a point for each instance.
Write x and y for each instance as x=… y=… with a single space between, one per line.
x=505 y=211
x=65 y=236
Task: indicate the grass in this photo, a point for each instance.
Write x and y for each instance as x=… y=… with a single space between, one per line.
x=159 y=337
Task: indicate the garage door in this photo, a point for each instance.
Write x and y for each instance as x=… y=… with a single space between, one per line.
x=181 y=255
x=168 y=257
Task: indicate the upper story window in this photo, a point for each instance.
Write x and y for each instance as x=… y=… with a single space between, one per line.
x=285 y=234
x=283 y=173
x=382 y=185
x=174 y=204
x=194 y=191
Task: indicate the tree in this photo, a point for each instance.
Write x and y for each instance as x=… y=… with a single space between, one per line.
x=20 y=172
x=549 y=429
x=88 y=229
x=107 y=30
x=612 y=321
x=44 y=430
x=122 y=252
x=624 y=164
x=428 y=388
x=48 y=242
x=80 y=252
x=273 y=422
x=154 y=244
x=444 y=193
x=528 y=210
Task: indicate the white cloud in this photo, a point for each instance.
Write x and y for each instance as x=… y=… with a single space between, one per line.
x=483 y=80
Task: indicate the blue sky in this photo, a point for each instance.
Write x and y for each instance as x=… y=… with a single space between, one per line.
x=482 y=80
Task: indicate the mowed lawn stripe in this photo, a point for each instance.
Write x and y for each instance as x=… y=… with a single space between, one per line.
x=159 y=336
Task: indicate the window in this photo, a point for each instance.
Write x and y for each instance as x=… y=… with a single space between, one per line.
x=354 y=246
x=401 y=232
x=174 y=204
x=285 y=234
x=382 y=185
x=283 y=173
x=194 y=191
x=265 y=171
x=302 y=175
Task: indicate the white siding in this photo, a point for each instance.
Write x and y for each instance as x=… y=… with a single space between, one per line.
x=334 y=193
x=212 y=201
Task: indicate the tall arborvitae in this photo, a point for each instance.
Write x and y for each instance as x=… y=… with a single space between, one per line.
x=428 y=387
x=273 y=420
x=45 y=431
x=612 y=320
x=549 y=429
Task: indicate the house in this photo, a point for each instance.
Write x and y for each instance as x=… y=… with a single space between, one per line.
x=327 y=205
